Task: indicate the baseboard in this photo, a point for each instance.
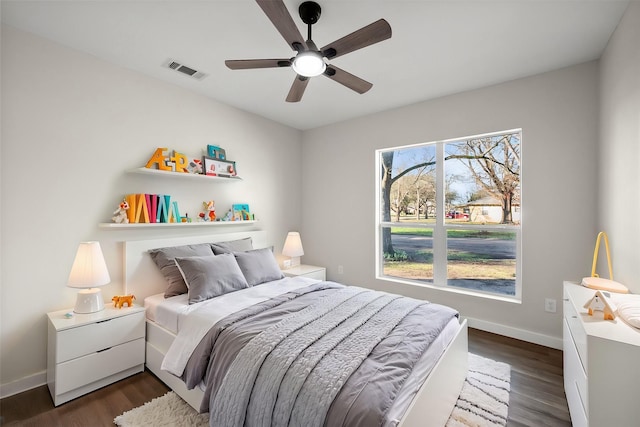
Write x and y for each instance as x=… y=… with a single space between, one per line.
x=520 y=334
x=23 y=384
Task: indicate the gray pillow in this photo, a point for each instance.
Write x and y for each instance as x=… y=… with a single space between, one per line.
x=239 y=245
x=211 y=276
x=258 y=266
x=164 y=259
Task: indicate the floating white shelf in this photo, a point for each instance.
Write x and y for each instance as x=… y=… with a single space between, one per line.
x=114 y=226
x=171 y=174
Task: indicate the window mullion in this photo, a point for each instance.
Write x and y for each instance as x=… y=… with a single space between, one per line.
x=439 y=231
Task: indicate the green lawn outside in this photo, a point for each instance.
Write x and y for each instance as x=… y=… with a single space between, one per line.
x=478 y=234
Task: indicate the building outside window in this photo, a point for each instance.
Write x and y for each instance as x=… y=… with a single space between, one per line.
x=449 y=214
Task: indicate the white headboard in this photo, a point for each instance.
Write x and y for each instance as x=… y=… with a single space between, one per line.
x=141 y=276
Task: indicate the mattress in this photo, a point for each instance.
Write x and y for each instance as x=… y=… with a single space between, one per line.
x=169 y=312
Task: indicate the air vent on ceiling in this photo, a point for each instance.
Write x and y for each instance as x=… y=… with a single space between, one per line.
x=174 y=65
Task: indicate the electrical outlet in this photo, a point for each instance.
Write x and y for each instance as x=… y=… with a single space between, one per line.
x=340 y=270
x=549 y=305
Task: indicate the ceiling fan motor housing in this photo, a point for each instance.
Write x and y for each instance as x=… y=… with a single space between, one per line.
x=309 y=12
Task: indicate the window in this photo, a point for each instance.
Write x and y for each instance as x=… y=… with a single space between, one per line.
x=449 y=214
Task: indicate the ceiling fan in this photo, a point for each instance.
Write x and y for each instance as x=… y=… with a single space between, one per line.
x=309 y=60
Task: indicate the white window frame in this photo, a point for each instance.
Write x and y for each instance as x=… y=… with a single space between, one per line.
x=440 y=227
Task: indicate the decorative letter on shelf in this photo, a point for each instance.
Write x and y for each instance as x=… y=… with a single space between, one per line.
x=164 y=202
x=141 y=209
x=159 y=159
x=177 y=162
x=131 y=212
x=174 y=214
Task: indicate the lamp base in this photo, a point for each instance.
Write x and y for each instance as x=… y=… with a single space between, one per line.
x=294 y=262
x=89 y=301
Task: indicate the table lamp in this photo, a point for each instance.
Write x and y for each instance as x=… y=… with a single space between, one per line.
x=293 y=248
x=89 y=271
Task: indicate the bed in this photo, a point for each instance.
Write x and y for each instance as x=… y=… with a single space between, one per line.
x=426 y=397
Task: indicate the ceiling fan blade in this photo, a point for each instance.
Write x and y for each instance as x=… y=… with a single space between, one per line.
x=365 y=36
x=297 y=89
x=277 y=12
x=245 y=64
x=347 y=79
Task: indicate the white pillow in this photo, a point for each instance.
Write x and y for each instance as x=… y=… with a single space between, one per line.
x=629 y=310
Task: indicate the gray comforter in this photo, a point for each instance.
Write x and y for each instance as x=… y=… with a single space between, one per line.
x=321 y=355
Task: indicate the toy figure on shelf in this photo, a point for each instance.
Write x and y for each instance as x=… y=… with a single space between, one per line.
x=120 y=214
x=195 y=166
x=209 y=213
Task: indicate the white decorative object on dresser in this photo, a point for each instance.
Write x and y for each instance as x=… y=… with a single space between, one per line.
x=601 y=364
x=89 y=351
x=305 y=270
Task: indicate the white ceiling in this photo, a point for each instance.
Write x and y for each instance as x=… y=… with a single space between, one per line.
x=437 y=47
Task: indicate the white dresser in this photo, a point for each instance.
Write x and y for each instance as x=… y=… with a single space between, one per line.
x=88 y=351
x=601 y=364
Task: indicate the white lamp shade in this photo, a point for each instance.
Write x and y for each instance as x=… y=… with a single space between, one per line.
x=293 y=245
x=89 y=269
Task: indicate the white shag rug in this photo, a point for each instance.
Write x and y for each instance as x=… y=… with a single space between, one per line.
x=483 y=402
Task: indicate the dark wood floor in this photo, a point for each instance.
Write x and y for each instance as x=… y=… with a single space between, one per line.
x=537 y=389
x=537 y=394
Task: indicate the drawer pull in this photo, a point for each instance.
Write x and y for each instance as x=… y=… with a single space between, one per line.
x=104 y=349
x=103 y=321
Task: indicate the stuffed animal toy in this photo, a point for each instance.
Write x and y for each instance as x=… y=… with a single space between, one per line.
x=120 y=300
x=120 y=214
x=209 y=213
x=195 y=166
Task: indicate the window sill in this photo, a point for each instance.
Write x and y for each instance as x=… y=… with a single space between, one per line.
x=452 y=289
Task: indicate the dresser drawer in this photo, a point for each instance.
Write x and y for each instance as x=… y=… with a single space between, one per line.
x=95 y=366
x=92 y=337
x=576 y=330
x=575 y=380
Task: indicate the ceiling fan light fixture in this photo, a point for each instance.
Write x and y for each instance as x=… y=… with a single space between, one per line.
x=308 y=64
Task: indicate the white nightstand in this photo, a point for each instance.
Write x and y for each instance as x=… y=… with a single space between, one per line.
x=304 y=270
x=89 y=351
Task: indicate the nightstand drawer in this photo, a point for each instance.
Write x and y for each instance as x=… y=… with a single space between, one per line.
x=304 y=270
x=95 y=366
x=92 y=337
x=318 y=274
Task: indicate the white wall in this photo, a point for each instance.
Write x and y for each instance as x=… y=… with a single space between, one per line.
x=71 y=126
x=619 y=154
x=558 y=114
